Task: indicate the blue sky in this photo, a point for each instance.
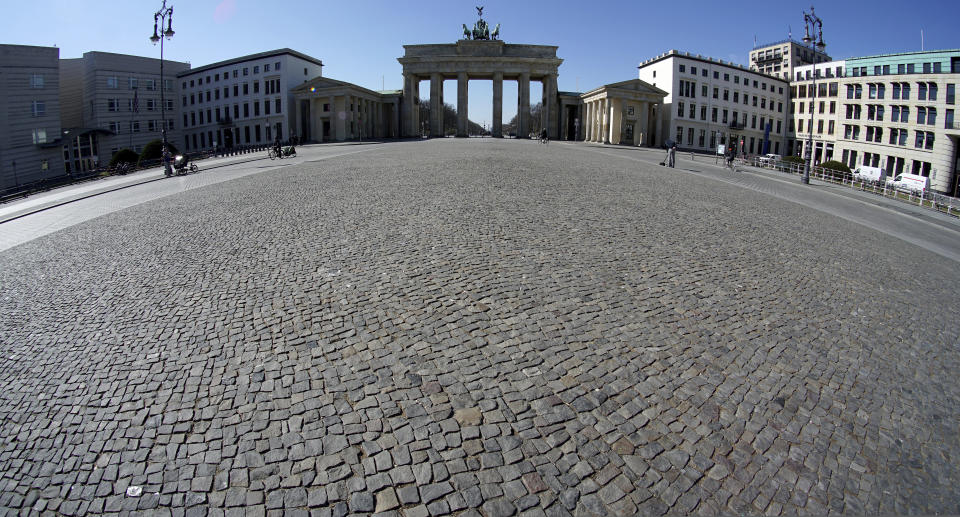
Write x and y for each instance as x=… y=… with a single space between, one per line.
x=359 y=41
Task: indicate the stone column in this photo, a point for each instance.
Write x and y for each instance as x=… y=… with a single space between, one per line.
x=657 y=136
x=497 y=129
x=642 y=131
x=523 y=110
x=297 y=115
x=436 y=105
x=406 y=113
x=339 y=122
x=462 y=82
x=553 y=118
x=588 y=122
x=395 y=120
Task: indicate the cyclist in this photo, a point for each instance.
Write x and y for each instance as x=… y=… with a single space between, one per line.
x=543 y=136
x=277 y=148
x=729 y=157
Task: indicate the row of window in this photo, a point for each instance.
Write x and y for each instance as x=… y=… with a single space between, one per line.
x=726 y=77
x=220 y=113
x=136 y=104
x=925 y=115
x=236 y=73
x=894 y=165
x=934 y=67
x=270 y=87
x=823 y=90
x=689 y=89
x=897 y=136
x=699 y=139
x=133 y=83
x=715 y=116
x=901 y=91
x=134 y=126
x=799 y=107
x=202 y=140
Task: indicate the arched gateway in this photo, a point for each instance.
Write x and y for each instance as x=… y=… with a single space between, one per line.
x=481 y=58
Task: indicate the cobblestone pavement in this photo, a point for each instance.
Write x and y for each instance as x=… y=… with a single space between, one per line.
x=476 y=327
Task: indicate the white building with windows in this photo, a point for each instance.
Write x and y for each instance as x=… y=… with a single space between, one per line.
x=711 y=102
x=895 y=111
x=243 y=101
x=113 y=101
x=30 y=107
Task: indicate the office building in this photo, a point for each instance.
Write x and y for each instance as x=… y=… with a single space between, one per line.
x=242 y=101
x=782 y=57
x=30 y=104
x=711 y=102
x=111 y=102
x=895 y=111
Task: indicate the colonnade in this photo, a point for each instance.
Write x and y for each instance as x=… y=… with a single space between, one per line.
x=349 y=116
x=605 y=119
x=411 y=87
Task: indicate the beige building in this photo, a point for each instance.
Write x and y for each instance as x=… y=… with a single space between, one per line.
x=112 y=102
x=333 y=111
x=628 y=113
x=30 y=104
x=243 y=101
x=895 y=111
x=780 y=58
x=711 y=102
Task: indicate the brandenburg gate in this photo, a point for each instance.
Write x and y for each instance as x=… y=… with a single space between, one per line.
x=480 y=55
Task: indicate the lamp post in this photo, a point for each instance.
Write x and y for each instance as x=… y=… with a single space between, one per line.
x=816 y=44
x=164 y=14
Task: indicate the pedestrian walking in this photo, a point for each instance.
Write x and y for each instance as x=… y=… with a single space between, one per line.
x=672 y=155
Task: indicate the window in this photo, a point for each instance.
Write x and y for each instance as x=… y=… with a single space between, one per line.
x=693 y=70
x=896 y=91
x=236 y=90
x=184 y=120
x=703 y=110
x=151 y=104
x=881 y=91
x=245 y=73
x=903 y=137
x=921 y=91
x=276 y=66
x=276 y=106
x=736 y=96
x=932 y=91
x=713 y=115
x=703 y=91
x=833 y=107
x=910 y=68
x=726 y=77
x=951 y=93
x=858 y=91
x=266 y=107
x=683 y=68
x=234 y=73
x=246 y=110
x=256 y=109
x=266 y=67
x=133 y=83
x=113 y=104
x=150 y=84
x=932 y=116
x=135 y=127
x=918 y=142
x=39 y=136
x=736 y=79
x=246 y=89
x=256 y=87
x=38 y=108
x=680 y=109
x=849 y=91
x=829 y=127
x=113 y=82
x=936 y=67
x=703 y=136
x=192 y=99
x=36 y=81
x=873 y=91
x=716 y=75
x=693 y=111
x=921 y=115
x=256 y=70
x=726 y=94
x=904 y=114
x=679 y=134
x=690 y=136
x=724 y=121
x=716 y=92
x=905 y=91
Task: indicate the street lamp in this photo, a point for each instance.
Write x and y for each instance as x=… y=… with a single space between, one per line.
x=812 y=20
x=164 y=14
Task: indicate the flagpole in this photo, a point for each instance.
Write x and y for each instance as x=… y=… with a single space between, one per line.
x=133 y=113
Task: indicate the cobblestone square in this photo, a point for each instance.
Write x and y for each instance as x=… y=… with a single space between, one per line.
x=477 y=327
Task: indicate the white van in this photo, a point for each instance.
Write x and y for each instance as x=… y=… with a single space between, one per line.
x=870 y=174
x=910 y=183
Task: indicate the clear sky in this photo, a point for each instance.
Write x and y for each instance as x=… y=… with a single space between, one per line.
x=359 y=41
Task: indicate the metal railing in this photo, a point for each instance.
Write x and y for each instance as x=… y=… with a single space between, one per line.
x=931 y=200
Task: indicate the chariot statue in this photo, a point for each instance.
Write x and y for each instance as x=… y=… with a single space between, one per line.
x=481 y=31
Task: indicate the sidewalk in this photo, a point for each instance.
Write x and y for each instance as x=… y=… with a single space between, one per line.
x=69 y=193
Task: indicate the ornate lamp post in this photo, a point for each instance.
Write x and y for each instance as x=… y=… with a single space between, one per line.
x=812 y=20
x=164 y=14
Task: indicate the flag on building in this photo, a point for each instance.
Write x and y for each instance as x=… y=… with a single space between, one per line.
x=136 y=101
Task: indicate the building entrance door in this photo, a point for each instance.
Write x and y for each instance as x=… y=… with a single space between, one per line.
x=627 y=136
x=228 y=138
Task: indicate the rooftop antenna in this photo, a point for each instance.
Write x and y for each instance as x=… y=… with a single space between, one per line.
x=921 y=40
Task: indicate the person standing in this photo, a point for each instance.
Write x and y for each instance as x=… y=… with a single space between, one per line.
x=672 y=155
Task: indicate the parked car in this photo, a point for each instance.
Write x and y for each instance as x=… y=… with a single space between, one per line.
x=769 y=159
x=870 y=174
x=910 y=183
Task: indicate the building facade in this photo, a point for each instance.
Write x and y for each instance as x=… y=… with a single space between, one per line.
x=334 y=111
x=814 y=118
x=112 y=102
x=780 y=58
x=711 y=102
x=244 y=101
x=895 y=111
x=30 y=104
x=627 y=113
